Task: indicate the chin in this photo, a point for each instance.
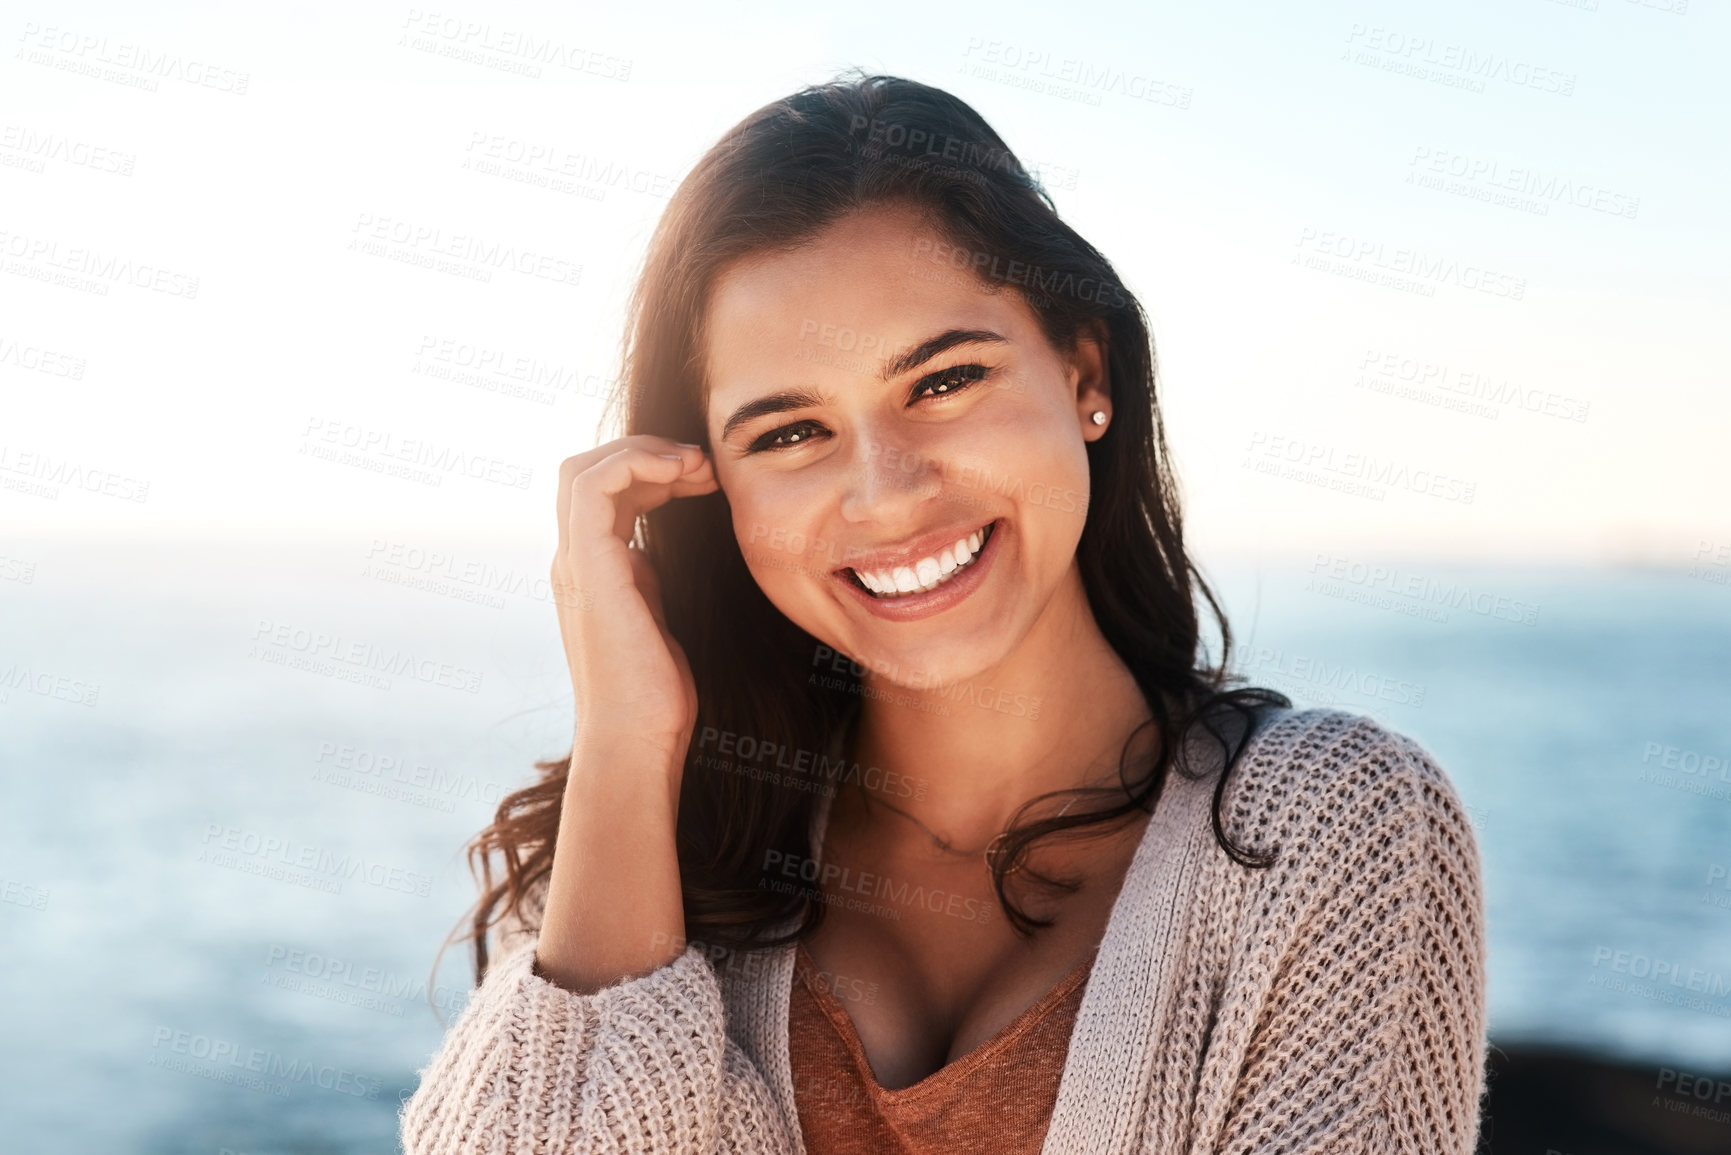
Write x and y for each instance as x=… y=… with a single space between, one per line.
x=932 y=664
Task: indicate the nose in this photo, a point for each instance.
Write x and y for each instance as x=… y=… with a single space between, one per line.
x=887 y=480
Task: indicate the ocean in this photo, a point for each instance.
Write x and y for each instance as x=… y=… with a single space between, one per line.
x=228 y=858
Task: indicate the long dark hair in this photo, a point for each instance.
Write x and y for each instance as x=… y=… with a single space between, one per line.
x=772 y=182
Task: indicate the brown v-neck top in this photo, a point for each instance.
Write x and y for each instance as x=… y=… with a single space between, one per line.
x=995 y=1100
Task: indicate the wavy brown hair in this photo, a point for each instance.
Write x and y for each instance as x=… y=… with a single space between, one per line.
x=771 y=183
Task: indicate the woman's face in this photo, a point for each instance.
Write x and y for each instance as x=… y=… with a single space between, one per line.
x=871 y=405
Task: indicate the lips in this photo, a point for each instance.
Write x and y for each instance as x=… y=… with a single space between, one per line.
x=888 y=576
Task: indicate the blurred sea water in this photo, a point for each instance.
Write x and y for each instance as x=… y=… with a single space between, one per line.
x=227 y=863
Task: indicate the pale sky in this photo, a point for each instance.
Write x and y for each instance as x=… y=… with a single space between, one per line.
x=1547 y=177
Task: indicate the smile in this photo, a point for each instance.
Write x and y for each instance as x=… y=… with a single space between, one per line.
x=928 y=573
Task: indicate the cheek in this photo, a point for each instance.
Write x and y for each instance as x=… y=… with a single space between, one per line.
x=772 y=527
x=1023 y=456
x=1031 y=460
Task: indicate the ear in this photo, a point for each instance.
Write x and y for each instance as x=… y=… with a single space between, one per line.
x=1091 y=376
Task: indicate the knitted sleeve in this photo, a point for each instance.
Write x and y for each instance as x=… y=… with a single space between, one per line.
x=1367 y=1030
x=644 y=1065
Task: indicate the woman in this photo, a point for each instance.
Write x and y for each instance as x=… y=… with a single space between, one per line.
x=904 y=810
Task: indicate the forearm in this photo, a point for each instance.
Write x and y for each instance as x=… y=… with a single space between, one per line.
x=614 y=909
x=645 y=1065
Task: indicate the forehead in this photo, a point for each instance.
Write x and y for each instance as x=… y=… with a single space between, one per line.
x=876 y=282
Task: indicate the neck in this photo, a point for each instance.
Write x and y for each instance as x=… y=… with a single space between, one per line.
x=1061 y=706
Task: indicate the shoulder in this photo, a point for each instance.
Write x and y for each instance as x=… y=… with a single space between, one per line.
x=1370 y=847
x=1312 y=777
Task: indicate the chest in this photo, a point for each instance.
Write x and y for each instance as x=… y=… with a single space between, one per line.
x=930 y=970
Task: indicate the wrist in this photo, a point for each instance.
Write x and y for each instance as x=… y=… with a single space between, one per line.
x=623 y=765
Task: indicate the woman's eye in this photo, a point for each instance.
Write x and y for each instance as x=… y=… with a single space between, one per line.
x=941 y=384
x=786 y=437
x=951 y=380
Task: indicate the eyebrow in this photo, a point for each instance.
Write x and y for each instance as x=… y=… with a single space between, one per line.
x=927 y=349
x=788 y=400
x=783 y=402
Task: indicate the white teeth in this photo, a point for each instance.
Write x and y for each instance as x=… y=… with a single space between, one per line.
x=927 y=573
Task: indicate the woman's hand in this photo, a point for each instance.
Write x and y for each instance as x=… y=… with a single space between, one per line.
x=614 y=900
x=632 y=682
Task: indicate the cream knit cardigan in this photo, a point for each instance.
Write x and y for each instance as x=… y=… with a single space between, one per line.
x=1334 y=1002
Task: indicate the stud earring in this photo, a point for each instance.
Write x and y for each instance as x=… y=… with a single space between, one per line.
x=1099 y=417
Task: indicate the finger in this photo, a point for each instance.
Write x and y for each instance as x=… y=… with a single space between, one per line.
x=689 y=486
x=646 y=494
x=572 y=467
x=603 y=498
x=625 y=521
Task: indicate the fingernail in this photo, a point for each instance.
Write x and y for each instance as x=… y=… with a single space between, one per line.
x=672 y=456
x=688 y=444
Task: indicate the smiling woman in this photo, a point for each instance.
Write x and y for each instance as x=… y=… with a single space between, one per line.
x=906 y=810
